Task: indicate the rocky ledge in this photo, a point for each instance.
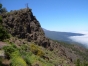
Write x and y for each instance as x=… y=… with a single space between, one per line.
x=22 y=24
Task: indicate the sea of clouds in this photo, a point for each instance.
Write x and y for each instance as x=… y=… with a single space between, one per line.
x=81 y=39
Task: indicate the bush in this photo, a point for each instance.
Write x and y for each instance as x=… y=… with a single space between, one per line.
x=3 y=33
x=15 y=54
x=31 y=59
x=0 y=20
x=85 y=63
x=10 y=49
x=23 y=47
x=36 y=50
x=17 y=60
x=78 y=62
x=27 y=59
x=40 y=53
x=2 y=9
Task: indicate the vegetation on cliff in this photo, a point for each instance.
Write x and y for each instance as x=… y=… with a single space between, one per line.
x=3 y=32
x=28 y=45
x=2 y=9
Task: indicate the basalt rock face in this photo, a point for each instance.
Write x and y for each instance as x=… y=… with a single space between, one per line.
x=22 y=24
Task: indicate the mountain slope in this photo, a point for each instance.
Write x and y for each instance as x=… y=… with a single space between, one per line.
x=28 y=46
x=24 y=25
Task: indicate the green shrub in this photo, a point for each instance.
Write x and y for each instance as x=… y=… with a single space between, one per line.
x=0 y=20
x=36 y=50
x=0 y=61
x=3 y=33
x=13 y=45
x=2 y=9
x=15 y=54
x=27 y=59
x=10 y=49
x=78 y=62
x=17 y=60
x=23 y=47
x=40 y=53
x=31 y=59
x=84 y=63
x=81 y=63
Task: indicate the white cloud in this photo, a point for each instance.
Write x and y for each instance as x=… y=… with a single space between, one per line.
x=81 y=39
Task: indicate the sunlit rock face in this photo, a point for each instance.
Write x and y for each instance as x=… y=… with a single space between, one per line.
x=22 y=24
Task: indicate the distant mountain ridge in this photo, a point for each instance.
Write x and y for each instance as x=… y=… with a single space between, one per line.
x=61 y=36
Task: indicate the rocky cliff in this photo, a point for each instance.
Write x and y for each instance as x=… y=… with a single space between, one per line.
x=23 y=24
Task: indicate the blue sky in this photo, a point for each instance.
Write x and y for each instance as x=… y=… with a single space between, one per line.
x=55 y=15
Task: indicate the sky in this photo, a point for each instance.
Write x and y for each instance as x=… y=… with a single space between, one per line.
x=55 y=15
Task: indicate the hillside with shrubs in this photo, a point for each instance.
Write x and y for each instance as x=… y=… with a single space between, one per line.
x=23 y=43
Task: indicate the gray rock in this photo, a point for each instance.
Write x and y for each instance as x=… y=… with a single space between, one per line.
x=23 y=24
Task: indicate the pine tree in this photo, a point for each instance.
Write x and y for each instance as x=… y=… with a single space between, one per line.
x=2 y=9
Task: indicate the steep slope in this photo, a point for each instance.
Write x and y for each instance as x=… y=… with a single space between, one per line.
x=23 y=24
x=28 y=45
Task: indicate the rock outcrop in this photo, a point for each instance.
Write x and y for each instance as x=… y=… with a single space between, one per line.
x=22 y=24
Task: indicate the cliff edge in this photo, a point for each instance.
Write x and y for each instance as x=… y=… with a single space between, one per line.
x=23 y=24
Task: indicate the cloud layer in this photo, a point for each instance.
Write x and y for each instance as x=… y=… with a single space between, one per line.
x=81 y=39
